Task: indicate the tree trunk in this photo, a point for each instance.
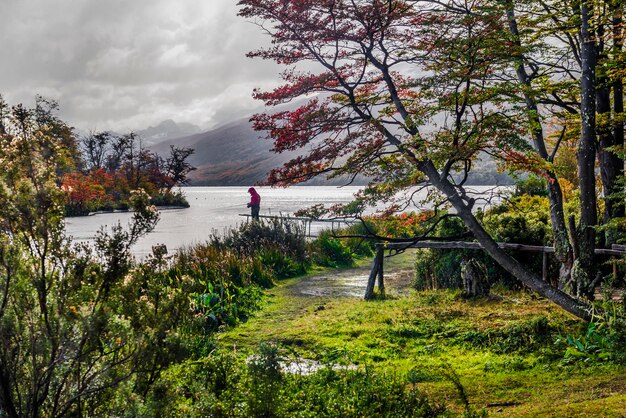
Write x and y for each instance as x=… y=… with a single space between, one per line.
x=606 y=159
x=6 y=394
x=510 y=264
x=618 y=207
x=584 y=266
x=611 y=134
x=562 y=245
x=475 y=281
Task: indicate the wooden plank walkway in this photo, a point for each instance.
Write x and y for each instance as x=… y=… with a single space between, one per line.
x=307 y=222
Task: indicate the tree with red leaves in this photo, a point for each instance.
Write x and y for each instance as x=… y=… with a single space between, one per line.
x=408 y=93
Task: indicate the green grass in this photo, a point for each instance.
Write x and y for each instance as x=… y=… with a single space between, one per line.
x=502 y=350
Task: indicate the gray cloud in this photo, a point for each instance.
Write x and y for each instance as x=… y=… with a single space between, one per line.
x=124 y=65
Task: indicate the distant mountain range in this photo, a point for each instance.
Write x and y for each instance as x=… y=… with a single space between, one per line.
x=235 y=154
x=166 y=130
x=231 y=155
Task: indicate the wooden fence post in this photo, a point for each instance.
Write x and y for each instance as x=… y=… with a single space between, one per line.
x=380 y=255
x=377 y=266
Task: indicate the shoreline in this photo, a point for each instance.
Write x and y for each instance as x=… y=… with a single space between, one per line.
x=104 y=212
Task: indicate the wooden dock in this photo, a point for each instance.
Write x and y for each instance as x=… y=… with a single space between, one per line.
x=333 y=223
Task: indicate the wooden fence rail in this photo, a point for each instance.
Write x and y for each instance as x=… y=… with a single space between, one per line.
x=377 y=264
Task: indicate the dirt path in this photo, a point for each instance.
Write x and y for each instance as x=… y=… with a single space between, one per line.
x=294 y=299
x=349 y=283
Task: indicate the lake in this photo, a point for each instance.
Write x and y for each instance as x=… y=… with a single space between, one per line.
x=213 y=209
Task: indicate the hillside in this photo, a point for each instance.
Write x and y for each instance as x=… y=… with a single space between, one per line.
x=231 y=155
x=235 y=155
x=168 y=129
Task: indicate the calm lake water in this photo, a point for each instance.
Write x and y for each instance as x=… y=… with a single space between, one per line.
x=212 y=210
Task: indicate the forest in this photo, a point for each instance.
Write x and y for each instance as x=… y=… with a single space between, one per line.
x=100 y=169
x=408 y=94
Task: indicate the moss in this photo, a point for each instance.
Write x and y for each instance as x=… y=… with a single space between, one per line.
x=502 y=350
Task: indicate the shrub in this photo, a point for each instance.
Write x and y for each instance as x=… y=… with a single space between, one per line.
x=354 y=393
x=280 y=263
x=251 y=237
x=169 y=198
x=224 y=385
x=225 y=287
x=122 y=205
x=438 y=269
x=329 y=251
x=531 y=186
x=523 y=219
x=441 y=269
x=603 y=339
x=229 y=271
x=363 y=246
x=265 y=378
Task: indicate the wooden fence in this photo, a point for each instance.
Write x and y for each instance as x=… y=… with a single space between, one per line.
x=377 y=271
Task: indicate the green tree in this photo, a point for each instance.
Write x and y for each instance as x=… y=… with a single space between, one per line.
x=177 y=166
x=74 y=324
x=411 y=92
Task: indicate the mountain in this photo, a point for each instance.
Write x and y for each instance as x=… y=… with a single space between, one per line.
x=166 y=130
x=236 y=155
x=230 y=155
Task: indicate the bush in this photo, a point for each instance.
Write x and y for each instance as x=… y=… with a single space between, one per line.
x=224 y=385
x=364 y=246
x=252 y=237
x=229 y=271
x=354 y=393
x=441 y=269
x=281 y=264
x=331 y=252
x=169 y=198
x=523 y=219
x=531 y=186
x=122 y=205
x=225 y=286
x=602 y=340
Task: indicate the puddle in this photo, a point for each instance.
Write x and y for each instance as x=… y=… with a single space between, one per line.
x=306 y=367
x=350 y=284
x=329 y=286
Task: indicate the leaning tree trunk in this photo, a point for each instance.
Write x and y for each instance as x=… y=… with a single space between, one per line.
x=510 y=264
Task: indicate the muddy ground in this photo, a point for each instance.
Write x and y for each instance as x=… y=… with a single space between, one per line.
x=350 y=283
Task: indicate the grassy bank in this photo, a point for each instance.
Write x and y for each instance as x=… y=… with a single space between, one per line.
x=504 y=355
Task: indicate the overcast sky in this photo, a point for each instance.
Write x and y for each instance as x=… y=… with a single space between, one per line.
x=125 y=65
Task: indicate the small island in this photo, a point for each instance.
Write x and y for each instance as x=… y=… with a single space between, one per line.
x=104 y=167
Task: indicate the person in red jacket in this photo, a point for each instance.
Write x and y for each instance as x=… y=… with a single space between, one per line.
x=255 y=202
